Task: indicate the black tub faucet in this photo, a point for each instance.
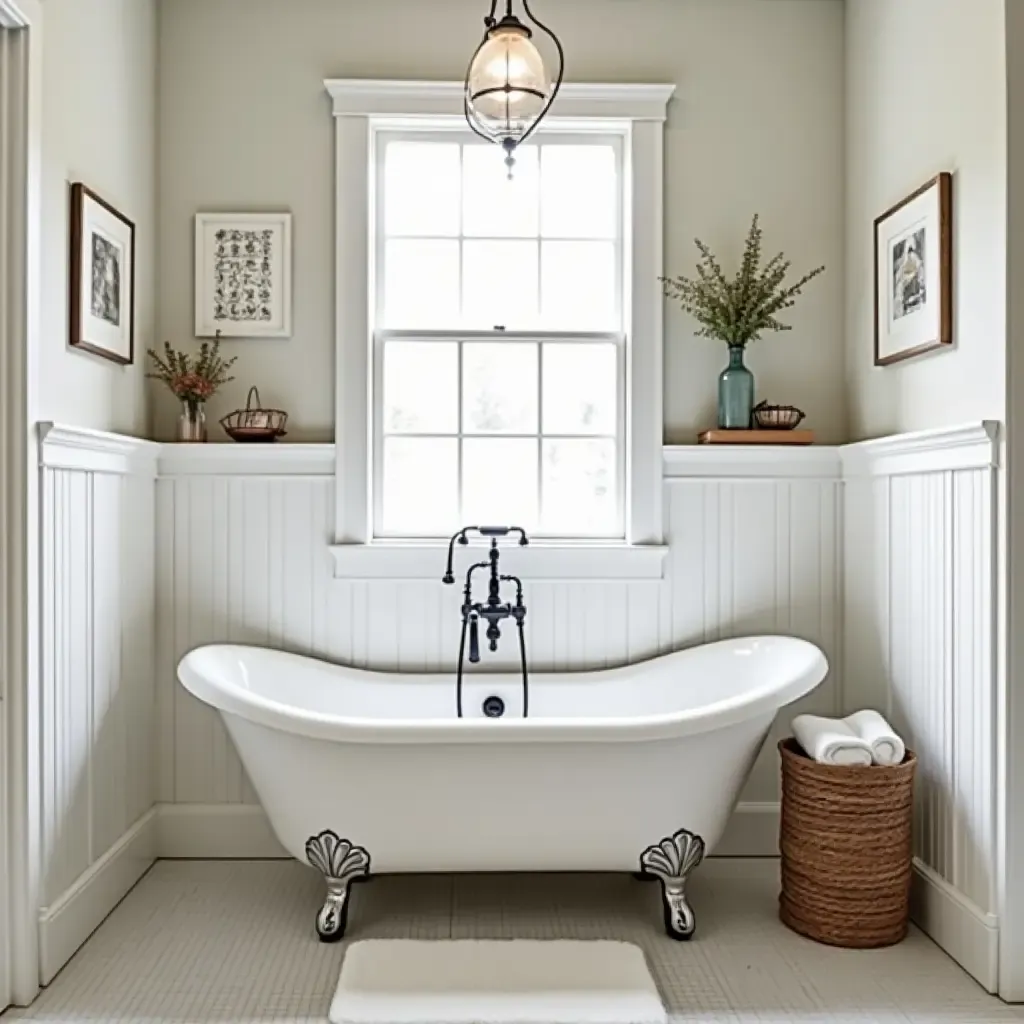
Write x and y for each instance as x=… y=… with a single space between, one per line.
x=492 y=610
x=494 y=532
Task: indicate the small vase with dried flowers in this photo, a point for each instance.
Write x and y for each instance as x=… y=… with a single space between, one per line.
x=192 y=380
x=738 y=311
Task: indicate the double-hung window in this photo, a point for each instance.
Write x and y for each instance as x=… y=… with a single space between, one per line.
x=499 y=352
x=498 y=343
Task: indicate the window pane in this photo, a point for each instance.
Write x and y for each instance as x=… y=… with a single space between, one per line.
x=422 y=185
x=579 y=288
x=499 y=481
x=494 y=206
x=579 y=192
x=421 y=387
x=580 y=389
x=421 y=283
x=499 y=388
x=579 y=487
x=499 y=284
x=421 y=486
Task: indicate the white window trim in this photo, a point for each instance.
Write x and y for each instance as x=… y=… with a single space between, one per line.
x=360 y=107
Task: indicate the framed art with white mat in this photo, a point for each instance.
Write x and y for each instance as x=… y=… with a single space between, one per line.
x=914 y=273
x=102 y=278
x=244 y=275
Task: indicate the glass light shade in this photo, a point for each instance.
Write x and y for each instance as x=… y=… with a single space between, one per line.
x=508 y=83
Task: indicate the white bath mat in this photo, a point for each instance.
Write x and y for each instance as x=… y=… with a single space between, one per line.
x=398 y=981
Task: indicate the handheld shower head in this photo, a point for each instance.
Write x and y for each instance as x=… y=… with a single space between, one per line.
x=462 y=537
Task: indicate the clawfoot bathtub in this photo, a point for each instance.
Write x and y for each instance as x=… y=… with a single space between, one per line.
x=627 y=769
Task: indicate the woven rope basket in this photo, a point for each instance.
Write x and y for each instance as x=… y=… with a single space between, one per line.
x=845 y=839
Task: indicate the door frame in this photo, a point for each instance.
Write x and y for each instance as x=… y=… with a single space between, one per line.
x=21 y=217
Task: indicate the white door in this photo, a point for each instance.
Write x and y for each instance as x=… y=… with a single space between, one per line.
x=20 y=132
x=7 y=72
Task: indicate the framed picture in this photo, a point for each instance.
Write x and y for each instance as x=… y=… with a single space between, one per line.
x=244 y=275
x=914 y=273
x=102 y=278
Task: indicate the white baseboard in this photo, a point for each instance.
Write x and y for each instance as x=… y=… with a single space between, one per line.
x=242 y=832
x=753 y=831
x=78 y=912
x=968 y=934
x=216 y=831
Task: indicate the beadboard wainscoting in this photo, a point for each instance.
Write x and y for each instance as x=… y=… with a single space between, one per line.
x=920 y=620
x=98 y=685
x=882 y=552
x=753 y=546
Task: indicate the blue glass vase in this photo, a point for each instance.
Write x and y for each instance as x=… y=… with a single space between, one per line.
x=735 y=393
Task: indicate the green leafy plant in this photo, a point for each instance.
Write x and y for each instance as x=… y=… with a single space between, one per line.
x=192 y=378
x=739 y=310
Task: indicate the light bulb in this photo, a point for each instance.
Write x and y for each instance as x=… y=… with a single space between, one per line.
x=508 y=83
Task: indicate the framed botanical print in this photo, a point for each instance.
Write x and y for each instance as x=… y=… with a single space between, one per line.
x=244 y=275
x=101 y=277
x=914 y=273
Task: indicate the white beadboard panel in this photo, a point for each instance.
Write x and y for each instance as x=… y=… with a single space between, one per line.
x=919 y=624
x=248 y=559
x=751 y=556
x=98 y=680
x=920 y=619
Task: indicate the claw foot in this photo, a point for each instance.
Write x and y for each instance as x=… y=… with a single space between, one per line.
x=671 y=861
x=341 y=863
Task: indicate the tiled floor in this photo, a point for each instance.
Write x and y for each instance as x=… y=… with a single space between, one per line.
x=232 y=942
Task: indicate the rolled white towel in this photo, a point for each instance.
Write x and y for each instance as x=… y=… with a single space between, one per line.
x=831 y=741
x=886 y=746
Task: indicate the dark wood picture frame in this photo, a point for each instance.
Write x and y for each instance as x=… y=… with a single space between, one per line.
x=77 y=331
x=943 y=182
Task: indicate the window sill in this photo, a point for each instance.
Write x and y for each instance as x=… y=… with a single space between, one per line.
x=395 y=560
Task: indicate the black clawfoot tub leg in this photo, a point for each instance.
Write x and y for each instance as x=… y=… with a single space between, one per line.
x=671 y=862
x=341 y=863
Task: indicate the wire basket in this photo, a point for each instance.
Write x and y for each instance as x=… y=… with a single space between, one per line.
x=845 y=840
x=254 y=423
x=777 y=417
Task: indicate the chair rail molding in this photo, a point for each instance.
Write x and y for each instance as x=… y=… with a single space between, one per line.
x=251 y=460
x=972 y=446
x=95 y=451
x=751 y=462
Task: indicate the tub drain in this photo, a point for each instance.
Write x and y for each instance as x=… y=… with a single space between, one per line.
x=494 y=707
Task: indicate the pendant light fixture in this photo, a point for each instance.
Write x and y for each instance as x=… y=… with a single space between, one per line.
x=508 y=88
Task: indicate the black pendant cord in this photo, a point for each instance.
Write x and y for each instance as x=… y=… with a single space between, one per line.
x=558 y=81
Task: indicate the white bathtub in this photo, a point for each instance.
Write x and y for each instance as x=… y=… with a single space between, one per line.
x=617 y=770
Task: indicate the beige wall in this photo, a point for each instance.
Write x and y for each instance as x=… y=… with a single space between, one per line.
x=926 y=92
x=99 y=114
x=757 y=125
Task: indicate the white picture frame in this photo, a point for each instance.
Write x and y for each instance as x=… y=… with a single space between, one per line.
x=243 y=275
